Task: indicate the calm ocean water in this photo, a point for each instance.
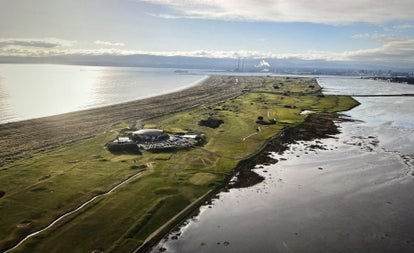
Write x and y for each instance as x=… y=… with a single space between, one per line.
x=31 y=91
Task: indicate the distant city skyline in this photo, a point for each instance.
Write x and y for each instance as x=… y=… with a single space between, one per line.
x=354 y=31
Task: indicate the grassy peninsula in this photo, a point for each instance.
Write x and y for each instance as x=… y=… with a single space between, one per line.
x=57 y=177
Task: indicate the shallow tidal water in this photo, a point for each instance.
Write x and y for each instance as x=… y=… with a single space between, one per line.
x=353 y=195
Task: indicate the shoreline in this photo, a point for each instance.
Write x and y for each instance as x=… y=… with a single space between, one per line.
x=316 y=126
x=176 y=90
x=17 y=139
x=336 y=191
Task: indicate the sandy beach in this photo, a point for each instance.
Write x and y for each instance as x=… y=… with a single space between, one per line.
x=17 y=139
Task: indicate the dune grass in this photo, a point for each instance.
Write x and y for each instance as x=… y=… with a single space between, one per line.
x=41 y=188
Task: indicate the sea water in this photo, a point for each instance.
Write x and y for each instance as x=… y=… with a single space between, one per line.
x=36 y=90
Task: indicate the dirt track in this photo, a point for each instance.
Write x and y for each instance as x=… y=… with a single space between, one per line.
x=19 y=139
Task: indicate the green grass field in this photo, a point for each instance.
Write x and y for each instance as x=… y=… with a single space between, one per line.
x=41 y=188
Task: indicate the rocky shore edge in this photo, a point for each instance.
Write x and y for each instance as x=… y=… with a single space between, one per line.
x=315 y=126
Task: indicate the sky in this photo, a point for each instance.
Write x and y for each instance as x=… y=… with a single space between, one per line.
x=369 y=31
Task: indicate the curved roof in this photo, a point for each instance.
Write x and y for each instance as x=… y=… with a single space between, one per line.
x=149 y=132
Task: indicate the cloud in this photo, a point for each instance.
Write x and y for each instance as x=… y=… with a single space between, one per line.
x=376 y=36
x=394 y=50
x=397 y=50
x=41 y=44
x=34 y=43
x=45 y=52
x=315 y=11
x=403 y=26
x=107 y=43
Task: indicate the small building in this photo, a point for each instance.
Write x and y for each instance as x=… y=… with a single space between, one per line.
x=190 y=136
x=123 y=140
x=149 y=135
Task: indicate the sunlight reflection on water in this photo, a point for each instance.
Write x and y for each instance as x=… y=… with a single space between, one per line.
x=31 y=91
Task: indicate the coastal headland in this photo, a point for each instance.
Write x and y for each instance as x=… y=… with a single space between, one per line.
x=63 y=191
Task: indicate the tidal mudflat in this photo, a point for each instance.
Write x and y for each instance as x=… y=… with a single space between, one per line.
x=350 y=192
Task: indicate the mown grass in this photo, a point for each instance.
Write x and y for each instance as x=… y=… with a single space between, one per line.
x=289 y=85
x=39 y=189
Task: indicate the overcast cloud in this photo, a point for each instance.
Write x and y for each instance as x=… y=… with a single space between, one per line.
x=315 y=11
